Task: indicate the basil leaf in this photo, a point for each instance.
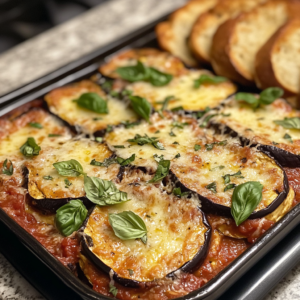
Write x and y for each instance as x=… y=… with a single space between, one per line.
x=206 y=120
x=48 y=177
x=158 y=78
x=166 y=102
x=289 y=123
x=7 y=170
x=139 y=72
x=200 y=114
x=141 y=106
x=288 y=137
x=208 y=79
x=93 y=102
x=245 y=199
x=127 y=124
x=124 y=162
x=35 y=125
x=67 y=183
x=171 y=133
x=209 y=147
x=161 y=172
x=269 y=95
x=70 y=217
x=177 y=192
x=130 y=272
x=119 y=146
x=107 y=162
x=197 y=147
x=53 y=135
x=177 y=108
x=70 y=168
x=247 y=97
x=113 y=290
x=109 y=128
x=158 y=158
x=30 y=148
x=212 y=187
x=179 y=125
x=217 y=168
x=143 y=140
x=128 y=226
x=227 y=176
x=229 y=187
x=107 y=86
x=103 y=192
x=177 y=155
x=99 y=139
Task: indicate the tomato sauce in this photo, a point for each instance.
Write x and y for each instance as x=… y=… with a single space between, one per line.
x=294 y=180
x=65 y=249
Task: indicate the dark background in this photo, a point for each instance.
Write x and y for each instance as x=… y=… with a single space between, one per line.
x=23 y=19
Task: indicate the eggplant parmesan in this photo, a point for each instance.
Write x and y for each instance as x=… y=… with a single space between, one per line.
x=275 y=127
x=178 y=236
x=44 y=182
x=62 y=103
x=151 y=208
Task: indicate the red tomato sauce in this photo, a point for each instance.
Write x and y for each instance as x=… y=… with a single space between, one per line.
x=294 y=180
x=65 y=249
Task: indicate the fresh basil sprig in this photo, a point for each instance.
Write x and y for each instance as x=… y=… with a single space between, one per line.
x=70 y=217
x=70 y=168
x=30 y=148
x=143 y=140
x=7 y=170
x=103 y=192
x=128 y=226
x=289 y=123
x=35 y=125
x=177 y=192
x=162 y=171
x=208 y=79
x=93 y=102
x=140 y=72
x=141 y=106
x=245 y=199
x=266 y=97
x=124 y=162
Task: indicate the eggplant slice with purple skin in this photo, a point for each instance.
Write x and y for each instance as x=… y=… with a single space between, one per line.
x=178 y=237
x=275 y=128
x=48 y=190
x=60 y=103
x=208 y=164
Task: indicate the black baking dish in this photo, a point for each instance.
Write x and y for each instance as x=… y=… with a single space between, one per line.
x=84 y=68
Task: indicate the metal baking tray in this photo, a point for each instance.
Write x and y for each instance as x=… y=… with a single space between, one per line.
x=84 y=68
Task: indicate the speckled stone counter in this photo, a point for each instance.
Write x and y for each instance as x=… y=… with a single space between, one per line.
x=64 y=44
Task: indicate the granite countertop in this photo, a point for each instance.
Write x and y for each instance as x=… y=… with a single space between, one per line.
x=63 y=44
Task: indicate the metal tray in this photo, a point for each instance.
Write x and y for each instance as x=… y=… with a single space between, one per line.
x=83 y=68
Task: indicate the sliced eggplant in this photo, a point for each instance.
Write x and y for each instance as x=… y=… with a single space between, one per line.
x=36 y=123
x=162 y=61
x=48 y=189
x=185 y=95
x=214 y=172
x=258 y=127
x=60 y=102
x=178 y=237
x=174 y=133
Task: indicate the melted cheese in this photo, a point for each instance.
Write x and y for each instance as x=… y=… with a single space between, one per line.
x=61 y=103
x=259 y=126
x=197 y=169
x=17 y=133
x=144 y=154
x=187 y=96
x=83 y=151
x=175 y=234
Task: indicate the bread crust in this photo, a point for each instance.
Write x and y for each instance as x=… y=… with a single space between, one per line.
x=207 y=24
x=265 y=75
x=182 y=18
x=223 y=61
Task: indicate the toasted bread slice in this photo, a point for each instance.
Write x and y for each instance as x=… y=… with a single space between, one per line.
x=172 y=35
x=206 y=25
x=237 y=41
x=278 y=61
x=163 y=61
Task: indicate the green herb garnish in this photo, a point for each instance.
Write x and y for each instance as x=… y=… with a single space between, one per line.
x=208 y=79
x=35 y=125
x=93 y=102
x=212 y=187
x=162 y=171
x=70 y=168
x=7 y=170
x=30 y=148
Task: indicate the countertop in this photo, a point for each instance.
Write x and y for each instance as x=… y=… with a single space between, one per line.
x=63 y=44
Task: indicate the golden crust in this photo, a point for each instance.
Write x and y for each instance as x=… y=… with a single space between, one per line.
x=163 y=61
x=172 y=34
x=264 y=70
x=225 y=39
